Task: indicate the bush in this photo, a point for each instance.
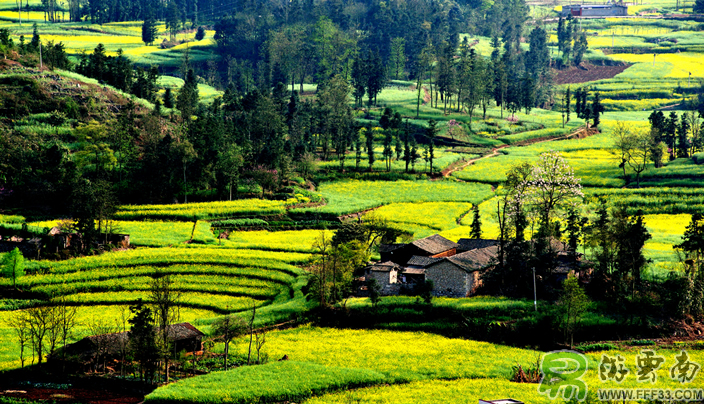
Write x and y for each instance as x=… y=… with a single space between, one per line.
x=602 y=346
x=698 y=158
x=642 y=342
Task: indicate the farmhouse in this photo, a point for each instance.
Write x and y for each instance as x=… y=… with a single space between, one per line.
x=595 y=10
x=453 y=267
x=91 y=350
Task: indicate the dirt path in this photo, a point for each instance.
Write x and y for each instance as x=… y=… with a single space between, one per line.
x=578 y=133
x=452 y=168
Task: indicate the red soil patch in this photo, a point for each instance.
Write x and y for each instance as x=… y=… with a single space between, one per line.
x=586 y=73
x=75 y=395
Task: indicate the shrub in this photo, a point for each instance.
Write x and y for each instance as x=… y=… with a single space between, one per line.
x=601 y=346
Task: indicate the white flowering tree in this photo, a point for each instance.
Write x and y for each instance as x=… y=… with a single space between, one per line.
x=553 y=188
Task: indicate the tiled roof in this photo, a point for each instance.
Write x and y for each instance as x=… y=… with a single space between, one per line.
x=387 y=266
x=469 y=244
x=390 y=247
x=435 y=244
x=414 y=270
x=476 y=259
x=420 y=261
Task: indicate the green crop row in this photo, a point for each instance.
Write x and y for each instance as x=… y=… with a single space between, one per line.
x=283 y=276
x=184 y=283
x=207 y=301
x=193 y=254
x=275 y=382
x=536 y=134
x=202 y=210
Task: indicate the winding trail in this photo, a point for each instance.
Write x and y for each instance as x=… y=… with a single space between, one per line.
x=578 y=133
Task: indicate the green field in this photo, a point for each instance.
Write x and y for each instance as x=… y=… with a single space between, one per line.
x=218 y=274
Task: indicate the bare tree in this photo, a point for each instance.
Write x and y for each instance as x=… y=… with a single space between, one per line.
x=18 y=321
x=639 y=154
x=103 y=338
x=228 y=328
x=623 y=145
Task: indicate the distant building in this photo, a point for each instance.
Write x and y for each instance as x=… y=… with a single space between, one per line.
x=595 y=10
x=502 y=401
x=453 y=267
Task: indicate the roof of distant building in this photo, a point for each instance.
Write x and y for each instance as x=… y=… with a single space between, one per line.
x=435 y=244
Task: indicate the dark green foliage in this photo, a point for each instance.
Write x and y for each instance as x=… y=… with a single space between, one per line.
x=149 y=31
x=425 y=291
x=200 y=33
x=431 y=133
x=93 y=204
x=698 y=6
x=604 y=346
x=143 y=341
x=475 y=231
x=374 y=292
x=188 y=95
x=119 y=72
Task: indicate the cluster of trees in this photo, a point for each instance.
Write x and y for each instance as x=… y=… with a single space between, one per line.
x=51 y=54
x=571 y=41
x=585 y=108
x=541 y=197
x=339 y=259
x=667 y=137
x=119 y=72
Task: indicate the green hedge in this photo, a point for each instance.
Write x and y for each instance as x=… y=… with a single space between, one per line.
x=274 y=382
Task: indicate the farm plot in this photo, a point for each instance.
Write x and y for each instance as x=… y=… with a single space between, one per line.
x=352 y=196
x=423 y=219
x=295 y=241
x=202 y=210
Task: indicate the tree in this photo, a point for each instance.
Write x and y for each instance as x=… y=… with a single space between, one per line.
x=173 y=19
x=431 y=133
x=698 y=6
x=369 y=137
x=565 y=107
x=374 y=292
x=149 y=30
x=200 y=33
x=165 y=300
x=19 y=322
x=573 y=303
x=228 y=328
x=188 y=96
x=13 y=266
x=639 y=152
x=331 y=274
x=398 y=57
x=553 y=186
x=596 y=110
x=168 y=98
x=93 y=204
x=142 y=340
x=580 y=47
x=476 y=227
x=624 y=142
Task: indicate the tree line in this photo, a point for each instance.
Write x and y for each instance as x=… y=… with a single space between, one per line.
x=542 y=204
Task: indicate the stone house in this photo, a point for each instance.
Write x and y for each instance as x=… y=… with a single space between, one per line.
x=454 y=276
x=386 y=275
x=435 y=246
x=454 y=268
x=595 y=10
